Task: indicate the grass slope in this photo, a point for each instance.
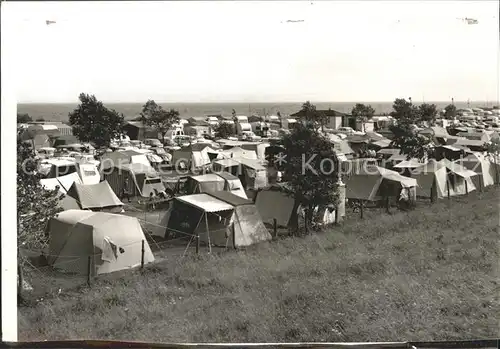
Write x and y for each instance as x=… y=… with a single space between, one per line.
x=424 y=275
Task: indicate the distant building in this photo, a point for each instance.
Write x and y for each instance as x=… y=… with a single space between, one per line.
x=136 y=130
x=336 y=119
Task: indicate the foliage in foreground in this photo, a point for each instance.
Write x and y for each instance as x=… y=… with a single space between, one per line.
x=35 y=204
x=428 y=274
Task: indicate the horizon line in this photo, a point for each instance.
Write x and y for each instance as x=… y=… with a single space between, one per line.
x=259 y=102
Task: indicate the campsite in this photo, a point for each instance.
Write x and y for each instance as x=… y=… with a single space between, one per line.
x=148 y=233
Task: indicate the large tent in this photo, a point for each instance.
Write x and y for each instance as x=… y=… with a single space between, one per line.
x=96 y=197
x=436 y=177
x=252 y=173
x=213 y=182
x=238 y=152
x=123 y=157
x=372 y=183
x=219 y=219
x=195 y=156
x=480 y=164
x=114 y=242
x=142 y=179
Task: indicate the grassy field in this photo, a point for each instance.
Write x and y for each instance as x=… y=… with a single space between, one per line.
x=428 y=274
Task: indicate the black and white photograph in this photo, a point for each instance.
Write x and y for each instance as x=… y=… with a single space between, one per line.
x=250 y=174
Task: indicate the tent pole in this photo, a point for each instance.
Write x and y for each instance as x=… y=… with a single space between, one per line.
x=208 y=233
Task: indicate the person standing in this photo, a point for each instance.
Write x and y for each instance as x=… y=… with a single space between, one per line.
x=125 y=192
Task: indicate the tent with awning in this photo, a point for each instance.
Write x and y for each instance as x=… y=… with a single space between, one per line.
x=219 y=219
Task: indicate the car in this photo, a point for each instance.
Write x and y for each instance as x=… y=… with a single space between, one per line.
x=153 y=142
x=345 y=130
x=139 y=144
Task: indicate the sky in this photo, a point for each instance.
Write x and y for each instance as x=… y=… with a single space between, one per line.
x=247 y=51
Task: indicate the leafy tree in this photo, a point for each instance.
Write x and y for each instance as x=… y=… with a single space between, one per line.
x=428 y=112
x=311 y=115
x=362 y=113
x=403 y=109
x=310 y=169
x=40 y=119
x=224 y=130
x=450 y=111
x=23 y=118
x=35 y=204
x=160 y=119
x=93 y=122
x=493 y=149
x=406 y=136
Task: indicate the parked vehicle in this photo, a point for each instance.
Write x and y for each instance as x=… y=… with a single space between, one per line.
x=153 y=143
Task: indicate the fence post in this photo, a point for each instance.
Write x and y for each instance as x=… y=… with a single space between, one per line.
x=337 y=218
x=275 y=228
x=197 y=244
x=387 y=202
x=89 y=270
x=432 y=191
x=466 y=187
x=448 y=187
x=362 y=204
x=142 y=254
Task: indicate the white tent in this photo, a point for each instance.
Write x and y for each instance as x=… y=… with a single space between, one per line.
x=64 y=182
x=481 y=165
x=113 y=241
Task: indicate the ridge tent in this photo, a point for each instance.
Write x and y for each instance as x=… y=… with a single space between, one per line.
x=252 y=174
x=114 y=242
x=64 y=140
x=95 y=197
x=142 y=179
x=483 y=167
x=238 y=152
x=434 y=178
x=372 y=183
x=220 y=219
x=258 y=148
x=64 y=182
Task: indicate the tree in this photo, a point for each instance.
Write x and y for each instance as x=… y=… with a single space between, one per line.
x=40 y=119
x=23 y=118
x=310 y=169
x=93 y=122
x=362 y=113
x=224 y=130
x=160 y=119
x=450 y=111
x=35 y=204
x=428 y=112
x=493 y=150
x=406 y=136
x=403 y=109
x=311 y=115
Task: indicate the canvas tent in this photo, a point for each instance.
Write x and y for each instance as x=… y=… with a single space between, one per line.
x=65 y=140
x=219 y=219
x=372 y=183
x=435 y=177
x=64 y=182
x=113 y=241
x=258 y=148
x=480 y=164
x=213 y=182
x=142 y=179
x=193 y=156
x=238 y=152
x=123 y=157
x=252 y=174
x=273 y=203
x=96 y=197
